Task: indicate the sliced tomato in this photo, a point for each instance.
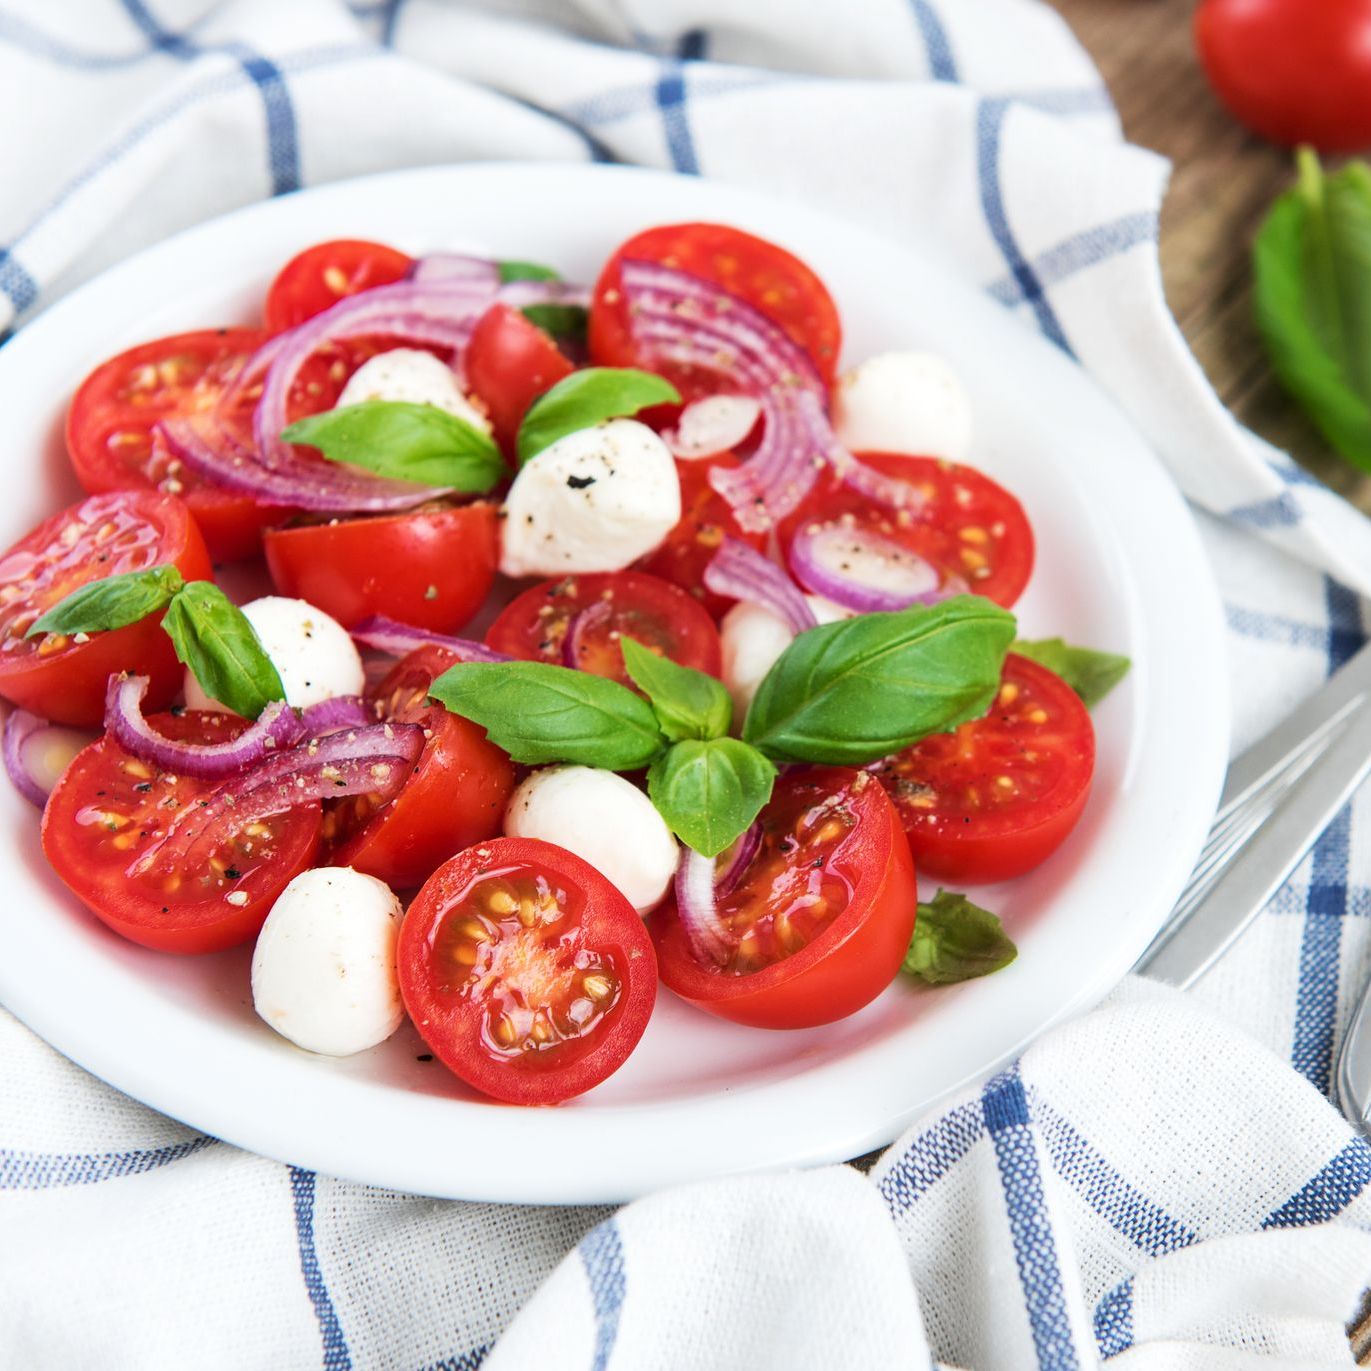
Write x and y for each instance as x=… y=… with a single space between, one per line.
x=706 y=519
x=322 y=275
x=110 y=809
x=433 y=568
x=821 y=916
x=62 y=677
x=578 y=621
x=971 y=529
x=1001 y=794
x=769 y=278
x=509 y=363
x=528 y=974
x=455 y=797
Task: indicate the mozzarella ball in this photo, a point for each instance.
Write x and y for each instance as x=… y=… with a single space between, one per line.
x=752 y=638
x=595 y=500
x=323 y=971
x=313 y=653
x=904 y=402
x=603 y=819
x=413 y=375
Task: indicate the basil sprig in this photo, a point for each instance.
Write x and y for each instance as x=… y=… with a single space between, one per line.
x=955 y=940
x=213 y=637
x=406 y=442
x=564 y=322
x=687 y=703
x=1312 y=261
x=709 y=790
x=586 y=398
x=1092 y=675
x=113 y=602
x=515 y=270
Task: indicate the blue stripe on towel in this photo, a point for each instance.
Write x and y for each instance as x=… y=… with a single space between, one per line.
x=302 y=1191
x=602 y=1256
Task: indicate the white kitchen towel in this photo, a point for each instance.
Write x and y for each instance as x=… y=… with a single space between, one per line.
x=1148 y=1186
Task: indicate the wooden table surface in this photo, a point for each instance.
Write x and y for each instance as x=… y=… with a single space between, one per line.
x=1223 y=182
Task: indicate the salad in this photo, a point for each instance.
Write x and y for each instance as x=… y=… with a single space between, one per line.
x=617 y=638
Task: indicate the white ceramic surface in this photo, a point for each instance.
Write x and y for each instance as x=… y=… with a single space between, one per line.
x=1119 y=567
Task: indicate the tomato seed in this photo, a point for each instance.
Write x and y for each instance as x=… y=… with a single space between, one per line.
x=336 y=280
x=597 y=987
x=1037 y=716
x=501 y=902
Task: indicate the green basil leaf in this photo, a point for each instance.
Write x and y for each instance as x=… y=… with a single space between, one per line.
x=406 y=442
x=955 y=940
x=213 y=638
x=857 y=690
x=525 y=271
x=586 y=398
x=1092 y=675
x=542 y=713
x=566 y=322
x=710 y=790
x=687 y=703
x=110 y=603
x=1312 y=262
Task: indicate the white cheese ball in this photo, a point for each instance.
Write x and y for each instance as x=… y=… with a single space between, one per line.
x=596 y=500
x=323 y=972
x=313 y=653
x=752 y=638
x=904 y=402
x=605 y=820
x=415 y=376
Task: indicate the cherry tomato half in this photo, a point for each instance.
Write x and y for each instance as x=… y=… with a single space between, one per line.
x=432 y=568
x=322 y=275
x=594 y=611
x=56 y=675
x=969 y=528
x=109 y=809
x=821 y=916
x=509 y=363
x=1001 y=794
x=1293 y=71
x=768 y=277
x=455 y=797
x=529 y=975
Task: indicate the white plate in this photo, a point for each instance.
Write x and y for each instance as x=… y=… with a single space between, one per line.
x=1119 y=567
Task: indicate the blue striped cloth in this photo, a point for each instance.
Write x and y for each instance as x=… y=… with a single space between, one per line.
x=1160 y=1184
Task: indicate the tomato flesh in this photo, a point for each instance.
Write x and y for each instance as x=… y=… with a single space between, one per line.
x=594 y=612
x=320 y=276
x=61 y=676
x=529 y=975
x=110 y=808
x=820 y=919
x=456 y=795
x=1000 y=795
x=509 y=363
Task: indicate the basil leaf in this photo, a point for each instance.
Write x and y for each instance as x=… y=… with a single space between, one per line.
x=1092 y=675
x=541 y=713
x=710 y=790
x=563 y=322
x=110 y=603
x=525 y=271
x=687 y=703
x=1312 y=260
x=213 y=638
x=955 y=940
x=857 y=690
x=586 y=398
x=404 y=441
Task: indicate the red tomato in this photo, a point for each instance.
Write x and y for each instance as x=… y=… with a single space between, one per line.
x=109 y=808
x=765 y=275
x=322 y=275
x=528 y=974
x=821 y=916
x=706 y=517
x=969 y=528
x=455 y=797
x=509 y=363
x=433 y=568
x=1294 y=71
x=999 y=795
x=597 y=610
x=55 y=675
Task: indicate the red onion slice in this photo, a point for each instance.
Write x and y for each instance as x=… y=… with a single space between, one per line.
x=696 y=908
x=521 y=294
x=581 y=623
x=37 y=752
x=862 y=570
x=711 y=426
x=736 y=860
x=877 y=486
x=382 y=634
x=739 y=572
x=441 y=268
x=328 y=716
